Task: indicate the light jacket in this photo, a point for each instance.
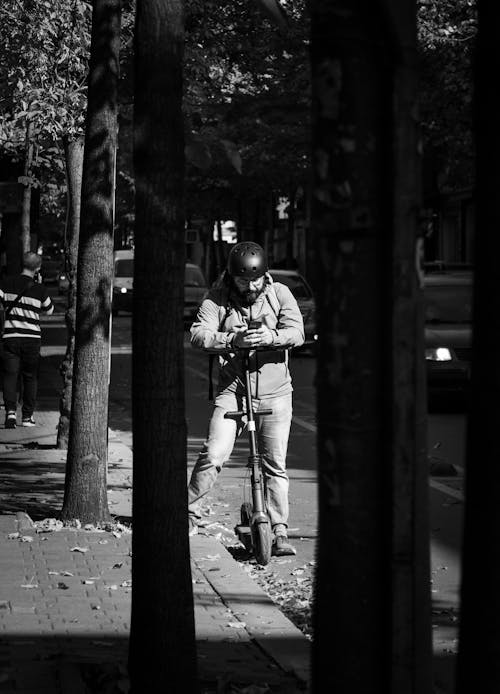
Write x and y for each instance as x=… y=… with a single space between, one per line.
x=221 y=314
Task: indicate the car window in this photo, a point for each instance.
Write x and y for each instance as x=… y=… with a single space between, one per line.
x=193 y=277
x=124 y=267
x=295 y=284
x=448 y=304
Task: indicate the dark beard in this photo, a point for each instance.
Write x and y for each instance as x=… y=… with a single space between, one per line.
x=249 y=297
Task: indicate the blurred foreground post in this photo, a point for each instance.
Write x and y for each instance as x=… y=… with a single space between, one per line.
x=372 y=595
x=162 y=656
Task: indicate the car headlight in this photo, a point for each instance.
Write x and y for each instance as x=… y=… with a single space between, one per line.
x=438 y=354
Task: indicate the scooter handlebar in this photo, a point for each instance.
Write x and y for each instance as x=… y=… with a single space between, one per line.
x=233 y=350
x=241 y=413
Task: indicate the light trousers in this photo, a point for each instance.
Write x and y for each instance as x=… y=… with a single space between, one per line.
x=272 y=435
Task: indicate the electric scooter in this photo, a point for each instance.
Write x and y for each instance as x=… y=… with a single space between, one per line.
x=254 y=530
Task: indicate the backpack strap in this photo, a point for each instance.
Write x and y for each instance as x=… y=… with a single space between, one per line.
x=211 y=358
x=272 y=300
x=9 y=310
x=223 y=311
x=14 y=303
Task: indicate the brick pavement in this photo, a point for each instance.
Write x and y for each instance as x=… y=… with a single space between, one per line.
x=64 y=611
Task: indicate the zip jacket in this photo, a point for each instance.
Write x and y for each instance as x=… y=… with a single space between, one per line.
x=221 y=314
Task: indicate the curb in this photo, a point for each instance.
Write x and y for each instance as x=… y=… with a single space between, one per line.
x=266 y=625
x=274 y=633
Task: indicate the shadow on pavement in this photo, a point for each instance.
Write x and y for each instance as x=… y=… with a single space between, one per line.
x=36 y=487
x=97 y=664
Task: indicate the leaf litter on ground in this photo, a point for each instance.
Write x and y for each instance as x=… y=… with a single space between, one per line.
x=292 y=593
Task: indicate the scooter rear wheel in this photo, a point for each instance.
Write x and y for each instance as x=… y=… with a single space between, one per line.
x=262 y=542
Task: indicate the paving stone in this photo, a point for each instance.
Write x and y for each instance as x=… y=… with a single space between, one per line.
x=55 y=626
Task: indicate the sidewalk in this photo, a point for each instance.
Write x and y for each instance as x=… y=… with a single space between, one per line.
x=65 y=593
x=66 y=613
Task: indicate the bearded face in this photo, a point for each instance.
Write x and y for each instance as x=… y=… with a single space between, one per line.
x=249 y=290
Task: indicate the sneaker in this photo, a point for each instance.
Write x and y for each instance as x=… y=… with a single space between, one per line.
x=10 y=420
x=193 y=527
x=28 y=422
x=282 y=547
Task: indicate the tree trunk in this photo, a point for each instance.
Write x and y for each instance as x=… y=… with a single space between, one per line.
x=73 y=151
x=372 y=592
x=219 y=252
x=291 y=261
x=85 y=493
x=479 y=649
x=162 y=655
x=26 y=201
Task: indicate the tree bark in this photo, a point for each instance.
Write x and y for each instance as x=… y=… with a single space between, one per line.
x=219 y=247
x=291 y=261
x=85 y=494
x=162 y=600
x=73 y=150
x=372 y=591
x=26 y=201
x=479 y=642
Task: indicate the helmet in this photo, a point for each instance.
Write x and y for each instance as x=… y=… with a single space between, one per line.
x=247 y=260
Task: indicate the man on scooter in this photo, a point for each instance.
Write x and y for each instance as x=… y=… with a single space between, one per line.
x=246 y=292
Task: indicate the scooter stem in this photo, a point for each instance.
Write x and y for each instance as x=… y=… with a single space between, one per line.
x=249 y=402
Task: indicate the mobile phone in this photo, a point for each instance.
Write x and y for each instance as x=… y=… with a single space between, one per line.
x=255 y=324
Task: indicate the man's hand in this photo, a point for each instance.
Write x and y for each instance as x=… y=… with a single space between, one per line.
x=250 y=339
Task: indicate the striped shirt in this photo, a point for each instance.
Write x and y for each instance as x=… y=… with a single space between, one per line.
x=24 y=319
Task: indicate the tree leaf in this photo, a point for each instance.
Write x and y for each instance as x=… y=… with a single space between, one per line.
x=233 y=154
x=274 y=12
x=198 y=154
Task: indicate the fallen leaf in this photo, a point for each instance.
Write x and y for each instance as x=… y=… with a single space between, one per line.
x=79 y=549
x=62 y=585
x=236 y=625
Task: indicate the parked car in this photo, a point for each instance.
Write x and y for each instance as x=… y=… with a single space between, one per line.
x=62 y=282
x=195 y=285
x=123 y=281
x=448 y=330
x=51 y=267
x=305 y=299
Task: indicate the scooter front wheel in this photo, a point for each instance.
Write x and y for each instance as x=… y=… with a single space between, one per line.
x=262 y=542
x=246 y=517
